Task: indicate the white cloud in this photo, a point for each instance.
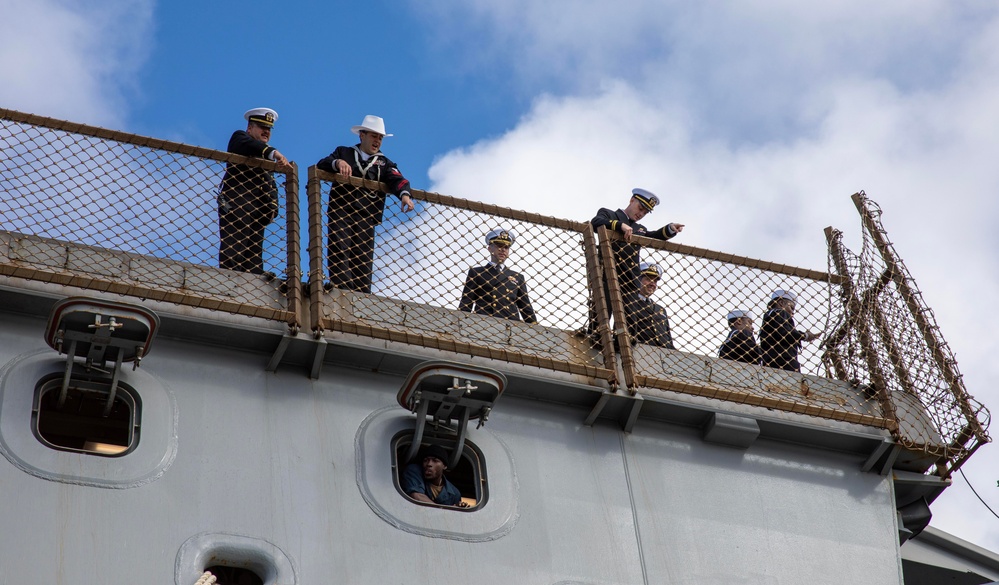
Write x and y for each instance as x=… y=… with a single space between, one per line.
x=71 y=60
x=755 y=122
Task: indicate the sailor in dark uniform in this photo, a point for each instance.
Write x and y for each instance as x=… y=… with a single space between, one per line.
x=626 y=254
x=647 y=321
x=779 y=340
x=494 y=289
x=248 y=198
x=354 y=212
x=740 y=345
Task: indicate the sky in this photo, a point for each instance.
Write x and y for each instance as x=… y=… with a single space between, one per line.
x=754 y=120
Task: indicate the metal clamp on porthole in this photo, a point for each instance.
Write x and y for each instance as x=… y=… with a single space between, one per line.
x=446 y=391
x=104 y=333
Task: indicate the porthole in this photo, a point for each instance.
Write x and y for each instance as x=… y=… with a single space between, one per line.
x=468 y=477
x=86 y=417
x=226 y=575
x=232 y=559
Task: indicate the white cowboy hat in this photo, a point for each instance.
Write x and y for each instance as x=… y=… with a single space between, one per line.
x=372 y=124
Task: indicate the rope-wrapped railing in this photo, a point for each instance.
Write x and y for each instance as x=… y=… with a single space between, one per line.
x=713 y=325
x=424 y=277
x=727 y=327
x=136 y=216
x=888 y=340
x=120 y=213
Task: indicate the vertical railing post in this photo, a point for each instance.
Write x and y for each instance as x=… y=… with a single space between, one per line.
x=595 y=279
x=855 y=315
x=909 y=295
x=313 y=189
x=294 y=270
x=620 y=332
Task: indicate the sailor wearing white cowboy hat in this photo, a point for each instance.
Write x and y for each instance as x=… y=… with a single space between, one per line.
x=354 y=212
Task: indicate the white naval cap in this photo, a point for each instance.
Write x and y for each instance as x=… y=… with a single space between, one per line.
x=738 y=314
x=262 y=116
x=501 y=236
x=647 y=198
x=783 y=294
x=372 y=124
x=650 y=270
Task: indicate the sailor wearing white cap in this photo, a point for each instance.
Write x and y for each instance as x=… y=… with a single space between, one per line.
x=647 y=321
x=779 y=340
x=495 y=289
x=625 y=220
x=740 y=345
x=626 y=255
x=354 y=212
x=248 y=198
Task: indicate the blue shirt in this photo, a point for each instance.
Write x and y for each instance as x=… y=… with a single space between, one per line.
x=413 y=482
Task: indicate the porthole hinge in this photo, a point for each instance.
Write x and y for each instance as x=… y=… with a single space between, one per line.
x=448 y=392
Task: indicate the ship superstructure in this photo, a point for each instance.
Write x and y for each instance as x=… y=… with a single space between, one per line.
x=160 y=416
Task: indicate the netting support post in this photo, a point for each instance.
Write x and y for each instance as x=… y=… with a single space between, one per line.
x=316 y=256
x=620 y=331
x=294 y=271
x=856 y=318
x=595 y=279
x=910 y=295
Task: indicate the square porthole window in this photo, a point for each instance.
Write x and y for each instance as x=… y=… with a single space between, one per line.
x=86 y=416
x=463 y=487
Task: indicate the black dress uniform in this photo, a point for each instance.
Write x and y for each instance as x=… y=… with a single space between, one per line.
x=248 y=203
x=626 y=255
x=353 y=214
x=780 y=341
x=497 y=291
x=740 y=346
x=647 y=322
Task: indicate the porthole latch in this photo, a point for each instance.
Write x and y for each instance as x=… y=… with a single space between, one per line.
x=104 y=333
x=449 y=393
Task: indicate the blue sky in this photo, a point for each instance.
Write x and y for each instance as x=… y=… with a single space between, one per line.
x=322 y=67
x=753 y=120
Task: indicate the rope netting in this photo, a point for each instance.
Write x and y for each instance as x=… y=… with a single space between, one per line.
x=127 y=214
x=889 y=340
x=722 y=326
x=426 y=277
x=695 y=295
x=115 y=212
